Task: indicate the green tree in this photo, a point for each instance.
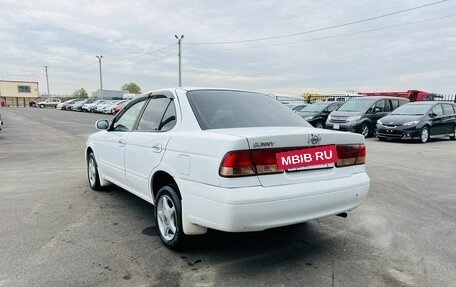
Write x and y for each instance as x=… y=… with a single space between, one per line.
x=132 y=88
x=80 y=93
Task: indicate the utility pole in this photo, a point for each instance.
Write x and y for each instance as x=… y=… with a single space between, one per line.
x=179 y=39
x=47 y=81
x=101 y=78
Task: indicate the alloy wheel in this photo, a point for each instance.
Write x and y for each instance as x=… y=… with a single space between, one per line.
x=166 y=215
x=92 y=172
x=365 y=130
x=424 y=135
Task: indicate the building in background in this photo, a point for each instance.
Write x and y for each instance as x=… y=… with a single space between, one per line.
x=17 y=93
x=109 y=94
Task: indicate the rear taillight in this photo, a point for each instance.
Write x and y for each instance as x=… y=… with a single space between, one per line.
x=351 y=154
x=263 y=161
x=237 y=163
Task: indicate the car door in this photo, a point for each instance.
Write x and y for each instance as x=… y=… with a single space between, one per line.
x=378 y=110
x=437 y=122
x=110 y=152
x=145 y=146
x=449 y=118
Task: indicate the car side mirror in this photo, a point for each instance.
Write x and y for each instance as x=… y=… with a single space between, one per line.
x=376 y=110
x=102 y=125
x=432 y=115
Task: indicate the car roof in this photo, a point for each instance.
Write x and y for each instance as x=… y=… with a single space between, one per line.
x=379 y=98
x=429 y=103
x=188 y=89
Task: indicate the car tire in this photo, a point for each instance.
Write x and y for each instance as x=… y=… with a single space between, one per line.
x=319 y=125
x=365 y=131
x=92 y=172
x=424 y=134
x=41 y=106
x=168 y=217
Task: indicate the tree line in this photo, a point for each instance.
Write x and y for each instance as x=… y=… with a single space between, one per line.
x=131 y=88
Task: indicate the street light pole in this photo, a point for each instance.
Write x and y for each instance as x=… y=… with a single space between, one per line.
x=47 y=81
x=179 y=39
x=101 y=77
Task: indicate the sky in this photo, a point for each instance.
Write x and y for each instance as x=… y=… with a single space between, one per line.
x=285 y=47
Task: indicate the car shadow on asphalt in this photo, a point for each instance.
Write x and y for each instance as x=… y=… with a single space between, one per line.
x=288 y=241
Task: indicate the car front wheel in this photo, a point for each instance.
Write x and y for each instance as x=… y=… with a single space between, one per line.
x=168 y=217
x=424 y=135
x=320 y=125
x=41 y=106
x=453 y=137
x=92 y=172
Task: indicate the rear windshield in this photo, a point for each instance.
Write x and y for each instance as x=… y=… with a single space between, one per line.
x=356 y=105
x=219 y=109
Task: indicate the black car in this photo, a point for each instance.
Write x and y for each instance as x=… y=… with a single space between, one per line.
x=419 y=120
x=359 y=115
x=317 y=113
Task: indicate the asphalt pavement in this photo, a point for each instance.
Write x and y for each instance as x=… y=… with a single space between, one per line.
x=56 y=231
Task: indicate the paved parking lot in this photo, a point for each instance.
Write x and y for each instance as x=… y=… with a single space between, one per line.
x=56 y=231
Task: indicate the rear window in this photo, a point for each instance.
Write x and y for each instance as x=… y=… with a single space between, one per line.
x=219 y=109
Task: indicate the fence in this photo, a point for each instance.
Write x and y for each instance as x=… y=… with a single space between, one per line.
x=309 y=99
x=445 y=98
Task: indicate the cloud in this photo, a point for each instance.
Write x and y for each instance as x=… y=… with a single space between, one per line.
x=66 y=36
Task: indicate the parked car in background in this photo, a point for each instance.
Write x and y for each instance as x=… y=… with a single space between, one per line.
x=70 y=106
x=62 y=106
x=317 y=113
x=229 y=160
x=119 y=107
x=100 y=107
x=49 y=103
x=89 y=107
x=109 y=109
x=78 y=106
x=360 y=115
x=419 y=120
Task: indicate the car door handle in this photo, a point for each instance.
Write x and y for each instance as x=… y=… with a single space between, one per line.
x=157 y=148
x=121 y=143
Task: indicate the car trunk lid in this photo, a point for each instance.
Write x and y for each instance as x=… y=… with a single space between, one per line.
x=280 y=139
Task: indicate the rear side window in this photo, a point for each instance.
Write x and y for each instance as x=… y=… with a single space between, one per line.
x=394 y=104
x=448 y=109
x=154 y=113
x=220 y=109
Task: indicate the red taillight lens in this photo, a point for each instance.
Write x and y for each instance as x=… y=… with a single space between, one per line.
x=243 y=163
x=237 y=163
x=265 y=161
x=351 y=154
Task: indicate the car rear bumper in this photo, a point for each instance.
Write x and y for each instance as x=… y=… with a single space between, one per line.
x=258 y=208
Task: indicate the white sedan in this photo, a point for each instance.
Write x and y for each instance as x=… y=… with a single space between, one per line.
x=229 y=160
